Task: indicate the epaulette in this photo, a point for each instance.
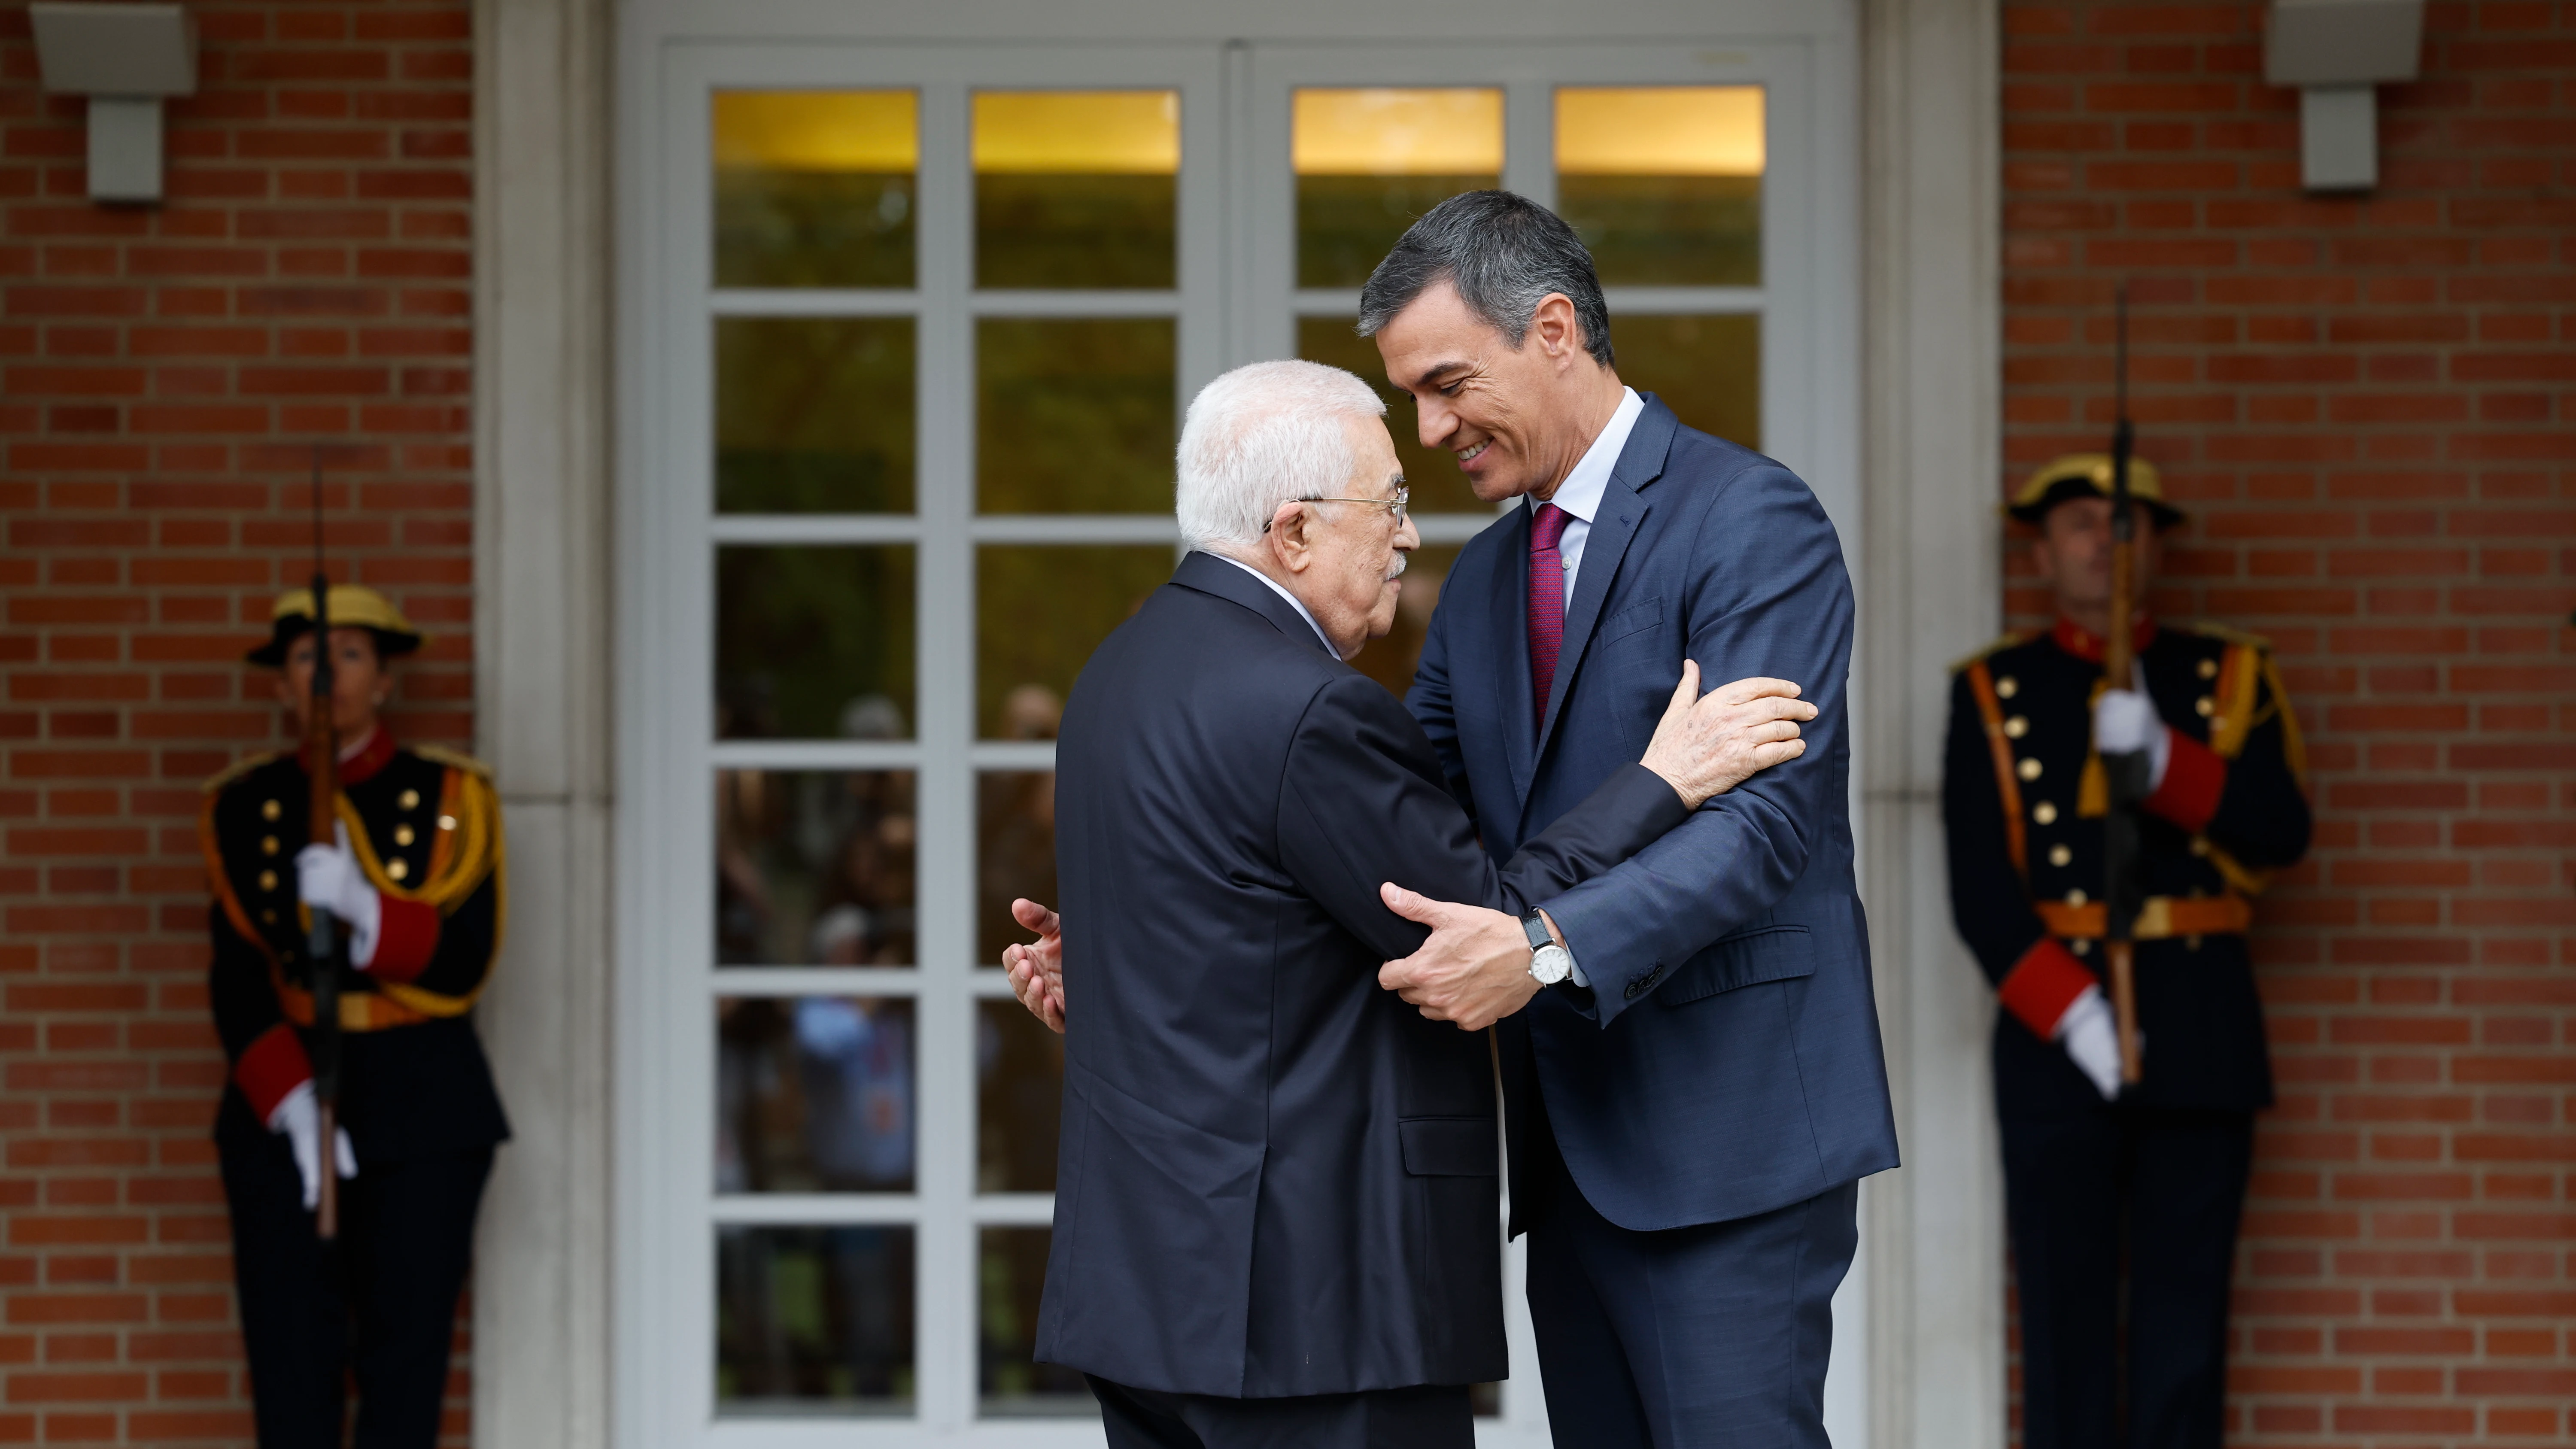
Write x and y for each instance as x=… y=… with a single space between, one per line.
x=2231 y=635
x=2022 y=636
x=243 y=766
x=453 y=759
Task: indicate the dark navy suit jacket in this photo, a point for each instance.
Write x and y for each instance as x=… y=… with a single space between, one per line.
x=1274 y=1178
x=1728 y=1060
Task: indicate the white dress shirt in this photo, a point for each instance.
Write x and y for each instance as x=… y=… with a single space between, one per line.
x=1293 y=601
x=1580 y=493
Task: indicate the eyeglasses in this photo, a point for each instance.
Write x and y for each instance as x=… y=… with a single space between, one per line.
x=1395 y=506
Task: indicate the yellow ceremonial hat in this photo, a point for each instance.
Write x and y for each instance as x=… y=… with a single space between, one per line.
x=2088 y=475
x=351 y=606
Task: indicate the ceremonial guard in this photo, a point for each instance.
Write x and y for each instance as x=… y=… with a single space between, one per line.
x=2101 y=1175
x=413 y=882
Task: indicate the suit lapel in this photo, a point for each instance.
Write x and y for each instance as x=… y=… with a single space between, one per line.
x=1614 y=525
x=1507 y=665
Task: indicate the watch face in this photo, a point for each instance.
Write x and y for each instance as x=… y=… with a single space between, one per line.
x=1551 y=964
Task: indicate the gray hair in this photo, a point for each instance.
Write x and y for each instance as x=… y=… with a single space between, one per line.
x=1504 y=253
x=1264 y=434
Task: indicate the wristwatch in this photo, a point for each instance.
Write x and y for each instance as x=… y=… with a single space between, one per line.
x=1550 y=963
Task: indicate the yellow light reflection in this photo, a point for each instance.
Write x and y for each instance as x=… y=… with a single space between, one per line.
x=1095 y=133
x=1398 y=133
x=871 y=131
x=1659 y=131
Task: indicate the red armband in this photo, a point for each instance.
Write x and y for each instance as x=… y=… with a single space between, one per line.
x=2042 y=984
x=405 y=940
x=273 y=1065
x=2194 y=778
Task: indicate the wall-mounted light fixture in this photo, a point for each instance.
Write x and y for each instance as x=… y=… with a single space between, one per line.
x=2336 y=52
x=125 y=58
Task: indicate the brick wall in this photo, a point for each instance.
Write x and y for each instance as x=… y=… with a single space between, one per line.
x=163 y=375
x=2370 y=404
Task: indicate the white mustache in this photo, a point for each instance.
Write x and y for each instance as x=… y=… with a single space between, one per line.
x=1401 y=561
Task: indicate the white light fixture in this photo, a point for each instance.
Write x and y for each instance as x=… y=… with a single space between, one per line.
x=125 y=58
x=2336 y=52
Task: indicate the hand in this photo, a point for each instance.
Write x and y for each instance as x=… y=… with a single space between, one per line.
x=2125 y=722
x=2091 y=1035
x=1473 y=971
x=1708 y=746
x=299 y=1115
x=328 y=877
x=1037 y=970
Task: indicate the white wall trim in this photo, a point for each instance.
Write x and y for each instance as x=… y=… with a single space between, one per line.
x=542 y=586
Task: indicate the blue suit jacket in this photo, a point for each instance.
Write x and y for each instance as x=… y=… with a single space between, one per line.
x=1727 y=1061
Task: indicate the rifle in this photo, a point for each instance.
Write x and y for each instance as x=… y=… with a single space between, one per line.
x=2126 y=774
x=322 y=934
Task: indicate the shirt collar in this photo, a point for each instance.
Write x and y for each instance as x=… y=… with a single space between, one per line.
x=1293 y=601
x=1580 y=493
x=362 y=761
x=2084 y=644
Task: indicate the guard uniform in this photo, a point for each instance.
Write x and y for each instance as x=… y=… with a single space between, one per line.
x=2156 y=1179
x=416 y=1095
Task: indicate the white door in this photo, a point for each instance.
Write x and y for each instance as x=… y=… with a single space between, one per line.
x=910 y=328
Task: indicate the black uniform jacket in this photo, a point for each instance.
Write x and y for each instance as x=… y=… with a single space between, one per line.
x=1275 y=1178
x=426 y=827
x=2023 y=799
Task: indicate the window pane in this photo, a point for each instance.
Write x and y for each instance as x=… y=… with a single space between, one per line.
x=1369 y=162
x=1438 y=485
x=1015 y=855
x=814 y=642
x=1011 y=1269
x=1074 y=416
x=1708 y=370
x=1040 y=609
x=814 y=868
x=1391 y=660
x=1664 y=183
x=1076 y=188
x=814 y=1094
x=814 y=414
x=1019 y=1073
x=813 y=1321
x=815 y=188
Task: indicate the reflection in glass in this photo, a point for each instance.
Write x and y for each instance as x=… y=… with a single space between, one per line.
x=1014 y=855
x=815 y=188
x=1664 y=183
x=1019 y=1075
x=814 y=642
x=1010 y=1383
x=1391 y=660
x=1434 y=476
x=814 y=1321
x=815 y=868
x=1040 y=609
x=814 y=414
x=1708 y=370
x=814 y=1094
x=1076 y=188
x=1369 y=162
x=1074 y=416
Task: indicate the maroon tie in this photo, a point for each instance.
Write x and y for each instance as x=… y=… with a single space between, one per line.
x=1546 y=602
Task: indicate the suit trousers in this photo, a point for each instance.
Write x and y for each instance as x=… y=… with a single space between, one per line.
x=381 y=1302
x=1425 y=1416
x=1704 y=1337
x=2086 y=1186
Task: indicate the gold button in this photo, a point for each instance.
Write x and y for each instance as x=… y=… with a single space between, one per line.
x=2059 y=854
x=447 y=822
x=2016 y=727
x=2204 y=706
x=2191 y=943
x=2045 y=812
x=409 y=799
x=2081 y=947
x=268 y=845
x=2200 y=845
x=2028 y=769
x=2007 y=687
x=268 y=880
x=268 y=810
x=268 y=918
x=2076 y=898
x=2209 y=669
x=402 y=835
x=397 y=868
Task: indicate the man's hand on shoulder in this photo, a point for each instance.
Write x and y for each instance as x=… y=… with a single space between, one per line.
x=1037 y=969
x=1474 y=970
x=1706 y=745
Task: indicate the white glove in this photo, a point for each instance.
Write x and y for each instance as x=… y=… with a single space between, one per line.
x=299 y=1115
x=327 y=876
x=2092 y=1041
x=2125 y=721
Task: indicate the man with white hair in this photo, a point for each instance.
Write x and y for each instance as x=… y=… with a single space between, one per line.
x=1277 y=1192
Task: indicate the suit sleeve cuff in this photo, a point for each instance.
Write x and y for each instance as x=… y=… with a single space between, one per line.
x=2194 y=779
x=2042 y=984
x=405 y=941
x=272 y=1066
